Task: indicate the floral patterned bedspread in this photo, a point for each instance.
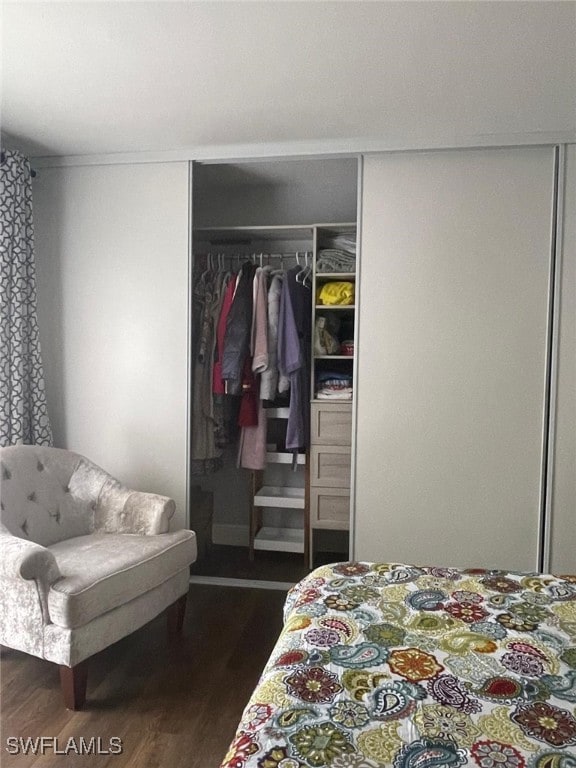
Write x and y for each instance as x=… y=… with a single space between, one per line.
x=396 y=665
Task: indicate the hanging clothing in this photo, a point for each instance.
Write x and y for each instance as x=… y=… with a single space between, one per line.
x=248 y=413
x=238 y=330
x=259 y=345
x=217 y=381
x=252 y=449
x=271 y=382
x=292 y=358
x=252 y=445
x=223 y=408
x=289 y=358
x=205 y=454
x=252 y=338
x=297 y=358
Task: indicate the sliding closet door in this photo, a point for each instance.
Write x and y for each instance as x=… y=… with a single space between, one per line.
x=563 y=518
x=112 y=256
x=452 y=356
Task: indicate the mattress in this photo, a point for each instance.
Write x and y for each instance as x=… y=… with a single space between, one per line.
x=384 y=664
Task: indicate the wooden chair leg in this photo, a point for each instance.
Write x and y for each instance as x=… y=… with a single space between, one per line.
x=73 y=683
x=175 y=617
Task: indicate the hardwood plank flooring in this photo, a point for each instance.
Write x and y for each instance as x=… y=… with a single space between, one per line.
x=233 y=562
x=172 y=705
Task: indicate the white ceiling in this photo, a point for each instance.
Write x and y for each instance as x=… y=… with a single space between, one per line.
x=127 y=76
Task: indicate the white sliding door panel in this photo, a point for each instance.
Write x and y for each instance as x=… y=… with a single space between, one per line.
x=112 y=244
x=563 y=520
x=452 y=356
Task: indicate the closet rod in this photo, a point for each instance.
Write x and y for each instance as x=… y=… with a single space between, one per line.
x=248 y=256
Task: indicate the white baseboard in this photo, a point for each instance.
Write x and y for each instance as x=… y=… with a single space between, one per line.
x=232 y=535
x=222 y=581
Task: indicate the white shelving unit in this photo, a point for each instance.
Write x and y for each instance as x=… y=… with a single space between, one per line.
x=335 y=276
x=345 y=312
x=280 y=496
x=329 y=459
x=281 y=457
x=280 y=539
x=333 y=357
x=268 y=496
x=284 y=497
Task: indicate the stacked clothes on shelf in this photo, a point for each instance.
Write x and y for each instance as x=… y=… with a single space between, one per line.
x=334 y=385
x=338 y=253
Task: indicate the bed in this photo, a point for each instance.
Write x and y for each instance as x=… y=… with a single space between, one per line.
x=417 y=667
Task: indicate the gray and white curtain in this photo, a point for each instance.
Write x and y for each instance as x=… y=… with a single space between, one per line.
x=23 y=413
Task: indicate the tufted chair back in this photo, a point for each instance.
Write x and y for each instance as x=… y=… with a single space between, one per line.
x=47 y=494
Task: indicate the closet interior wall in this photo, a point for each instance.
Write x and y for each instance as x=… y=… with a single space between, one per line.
x=251 y=210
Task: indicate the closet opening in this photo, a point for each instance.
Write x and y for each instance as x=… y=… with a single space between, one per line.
x=272 y=365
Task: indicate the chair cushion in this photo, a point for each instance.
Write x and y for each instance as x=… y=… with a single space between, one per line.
x=102 y=571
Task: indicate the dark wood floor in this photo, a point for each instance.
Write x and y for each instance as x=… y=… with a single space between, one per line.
x=233 y=562
x=172 y=706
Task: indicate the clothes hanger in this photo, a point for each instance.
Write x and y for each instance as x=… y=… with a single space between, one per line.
x=303 y=274
x=306 y=272
x=298 y=265
x=206 y=272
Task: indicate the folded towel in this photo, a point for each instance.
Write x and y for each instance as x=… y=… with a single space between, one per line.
x=334 y=394
x=335 y=260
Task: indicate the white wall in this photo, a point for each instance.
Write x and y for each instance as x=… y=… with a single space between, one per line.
x=452 y=356
x=112 y=244
x=563 y=521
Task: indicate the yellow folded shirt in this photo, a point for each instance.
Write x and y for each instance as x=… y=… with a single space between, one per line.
x=335 y=293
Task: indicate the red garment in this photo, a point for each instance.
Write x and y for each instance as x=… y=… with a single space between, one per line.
x=217 y=381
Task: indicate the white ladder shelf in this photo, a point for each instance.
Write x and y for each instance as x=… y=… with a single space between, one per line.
x=278 y=539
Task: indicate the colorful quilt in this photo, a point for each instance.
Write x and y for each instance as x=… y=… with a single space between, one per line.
x=417 y=667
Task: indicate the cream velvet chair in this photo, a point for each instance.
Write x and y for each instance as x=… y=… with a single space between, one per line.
x=84 y=560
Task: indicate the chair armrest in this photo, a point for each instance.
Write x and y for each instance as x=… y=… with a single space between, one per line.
x=118 y=509
x=27 y=571
x=122 y=510
x=26 y=560
x=148 y=513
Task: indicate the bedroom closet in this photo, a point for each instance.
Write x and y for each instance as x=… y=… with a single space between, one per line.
x=272 y=365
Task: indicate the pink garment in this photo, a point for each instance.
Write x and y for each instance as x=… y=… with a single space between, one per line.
x=252 y=446
x=217 y=381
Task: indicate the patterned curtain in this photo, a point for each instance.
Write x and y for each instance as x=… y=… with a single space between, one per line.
x=23 y=413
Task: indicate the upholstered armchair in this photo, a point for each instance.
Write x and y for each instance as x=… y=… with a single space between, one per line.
x=84 y=560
